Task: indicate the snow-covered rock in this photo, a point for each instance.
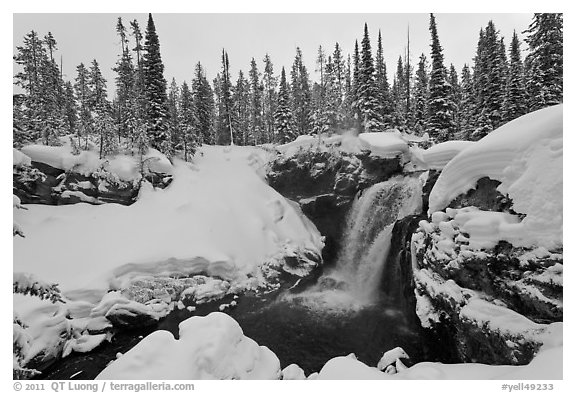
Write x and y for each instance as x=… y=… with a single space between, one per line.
x=547 y=365
x=384 y=144
x=210 y=347
x=437 y=156
x=293 y=372
x=215 y=220
x=525 y=155
x=19 y=158
x=390 y=357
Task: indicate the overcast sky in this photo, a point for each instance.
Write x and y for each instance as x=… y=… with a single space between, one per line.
x=186 y=39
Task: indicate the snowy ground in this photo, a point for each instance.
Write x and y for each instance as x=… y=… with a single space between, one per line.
x=214 y=347
x=526 y=156
x=217 y=218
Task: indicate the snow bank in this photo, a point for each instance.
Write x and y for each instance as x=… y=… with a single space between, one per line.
x=126 y=167
x=19 y=158
x=547 y=365
x=384 y=144
x=46 y=326
x=437 y=156
x=526 y=156
x=210 y=347
x=221 y=220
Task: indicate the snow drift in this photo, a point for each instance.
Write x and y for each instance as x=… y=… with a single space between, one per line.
x=525 y=155
x=210 y=347
x=220 y=218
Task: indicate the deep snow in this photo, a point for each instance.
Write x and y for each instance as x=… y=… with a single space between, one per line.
x=525 y=155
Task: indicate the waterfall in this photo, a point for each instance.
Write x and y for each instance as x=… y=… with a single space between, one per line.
x=356 y=276
x=366 y=240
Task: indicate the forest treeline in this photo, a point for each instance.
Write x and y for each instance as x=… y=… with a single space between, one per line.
x=267 y=105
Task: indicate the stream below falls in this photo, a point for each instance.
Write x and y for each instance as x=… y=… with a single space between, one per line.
x=295 y=332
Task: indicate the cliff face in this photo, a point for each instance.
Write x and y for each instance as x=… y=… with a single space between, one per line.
x=324 y=183
x=496 y=303
x=493 y=304
x=43 y=184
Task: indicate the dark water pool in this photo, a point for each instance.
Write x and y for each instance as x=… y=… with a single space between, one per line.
x=293 y=331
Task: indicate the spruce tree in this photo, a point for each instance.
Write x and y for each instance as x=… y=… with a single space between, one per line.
x=420 y=101
x=347 y=111
x=154 y=89
x=399 y=90
x=241 y=110
x=385 y=105
x=175 y=132
x=355 y=101
x=125 y=80
x=97 y=100
x=257 y=132
x=83 y=93
x=203 y=106
x=339 y=71
x=301 y=96
x=440 y=123
x=224 y=130
x=269 y=83
x=515 y=103
x=544 y=61
x=70 y=108
x=456 y=97
x=467 y=105
x=188 y=122
x=283 y=115
x=367 y=92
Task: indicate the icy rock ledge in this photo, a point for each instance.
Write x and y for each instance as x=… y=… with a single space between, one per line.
x=496 y=301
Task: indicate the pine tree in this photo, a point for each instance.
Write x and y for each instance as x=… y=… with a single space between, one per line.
x=440 y=124
x=544 y=62
x=188 y=122
x=385 y=106
x=283 y=115
x=257 y=133
x=367 y=92
x=301 y=96
x=41 y=110
x=467 y=105
x=83 y=94
x=269 y=82
x=496 y=68
x=241 y=110
x=154 y=89
x=347 y=109
x=339 y=71
x=456 y=97
x=125 y=81
x=104 y=123
x=203 y=106
x=174 y=131
x=355 y=87
x=420 y=101
x=320 y=64
x=224 y=130
x=97 y=88
x=515 y=100
x=399 y=90
x=489 y=82
x=70 y=108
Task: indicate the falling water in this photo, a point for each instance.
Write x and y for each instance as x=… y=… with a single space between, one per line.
x=355 y=278
x=366 y=240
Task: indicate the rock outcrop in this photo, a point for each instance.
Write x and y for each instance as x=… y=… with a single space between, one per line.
x=43 y=184
x=486 y=304
x=324 y=182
